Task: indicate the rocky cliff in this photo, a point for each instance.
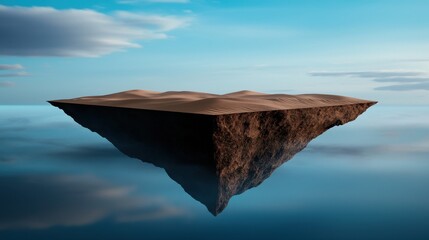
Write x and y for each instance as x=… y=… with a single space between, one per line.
x=212 y=156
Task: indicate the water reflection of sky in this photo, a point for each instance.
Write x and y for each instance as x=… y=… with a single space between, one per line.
x=367 y=179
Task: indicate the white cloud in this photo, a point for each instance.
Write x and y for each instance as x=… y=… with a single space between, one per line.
x=154 y=22
x=45 y=31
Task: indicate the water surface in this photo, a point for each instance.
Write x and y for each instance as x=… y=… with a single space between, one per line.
x=366 y=179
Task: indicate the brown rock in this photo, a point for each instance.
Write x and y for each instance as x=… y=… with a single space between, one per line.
x=213 y=149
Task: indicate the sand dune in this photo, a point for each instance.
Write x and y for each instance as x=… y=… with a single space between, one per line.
x=212 y=104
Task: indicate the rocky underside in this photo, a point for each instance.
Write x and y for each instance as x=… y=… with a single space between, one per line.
x=213 y=157
x=248 y=147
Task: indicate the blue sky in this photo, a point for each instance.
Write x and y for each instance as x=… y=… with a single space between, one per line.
x=62 y=49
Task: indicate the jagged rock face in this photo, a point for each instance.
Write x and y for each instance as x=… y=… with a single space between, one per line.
x=250 y=146
x=213 y=157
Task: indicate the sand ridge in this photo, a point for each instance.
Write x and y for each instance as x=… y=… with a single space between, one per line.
x=212 y=104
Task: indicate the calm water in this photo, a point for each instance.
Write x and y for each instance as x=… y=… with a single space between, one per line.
x=368 y=179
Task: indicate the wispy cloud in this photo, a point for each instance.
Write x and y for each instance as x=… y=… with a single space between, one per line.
x=11 y=67
x=11 y=71
x=406 y=87
x=45 y=31
x=155 y=23
x=401 y=80
x=406 y=80
x=368 y=74
x=16 y=74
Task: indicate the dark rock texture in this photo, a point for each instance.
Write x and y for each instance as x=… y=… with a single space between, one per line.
x=248 y=147
x=213 y=157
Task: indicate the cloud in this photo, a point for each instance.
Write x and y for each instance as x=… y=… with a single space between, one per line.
x=11 y=67
x=368 y=74
x=406 y=87
x=405 y=84
x=45 y=31
x=154 y=22
x=401 y=80
x=7 y=84
x=16 y=74
x=407 y=80
x=66 y=200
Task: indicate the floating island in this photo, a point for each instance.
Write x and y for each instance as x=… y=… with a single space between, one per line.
x=214 y=146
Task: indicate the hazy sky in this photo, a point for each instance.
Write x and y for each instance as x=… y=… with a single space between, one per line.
x=375 y=49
